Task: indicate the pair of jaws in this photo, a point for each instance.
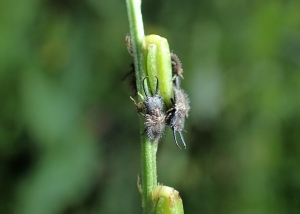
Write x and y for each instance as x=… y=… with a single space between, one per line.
x=181 y=137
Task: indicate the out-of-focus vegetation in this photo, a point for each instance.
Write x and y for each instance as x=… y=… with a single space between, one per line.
x=69 y=139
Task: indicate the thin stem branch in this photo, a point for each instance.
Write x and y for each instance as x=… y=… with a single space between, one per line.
x=136 y=27
x=148 y=148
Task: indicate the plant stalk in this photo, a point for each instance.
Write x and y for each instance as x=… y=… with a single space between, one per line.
x=148 y=148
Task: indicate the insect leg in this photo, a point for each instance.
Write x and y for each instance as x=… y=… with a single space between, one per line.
x=139 y=106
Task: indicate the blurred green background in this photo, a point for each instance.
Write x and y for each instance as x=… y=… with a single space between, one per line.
x=69 y=134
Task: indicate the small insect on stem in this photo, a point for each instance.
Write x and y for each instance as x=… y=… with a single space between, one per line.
x=153 y=113
x=131 y=79
x=131 y=74
x=128 y=44
x=176 y=115
x=177 y=69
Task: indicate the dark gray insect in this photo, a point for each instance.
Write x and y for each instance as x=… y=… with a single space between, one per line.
x=153 y=114
x=131 y=79
x=177 y=69
x=131 y=74
x=176 y=115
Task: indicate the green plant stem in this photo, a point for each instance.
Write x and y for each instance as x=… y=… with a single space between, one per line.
x=148 y=148
x=137 y=34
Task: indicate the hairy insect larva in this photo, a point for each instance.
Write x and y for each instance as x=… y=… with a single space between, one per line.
x=153 y=114
x=176 y=115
